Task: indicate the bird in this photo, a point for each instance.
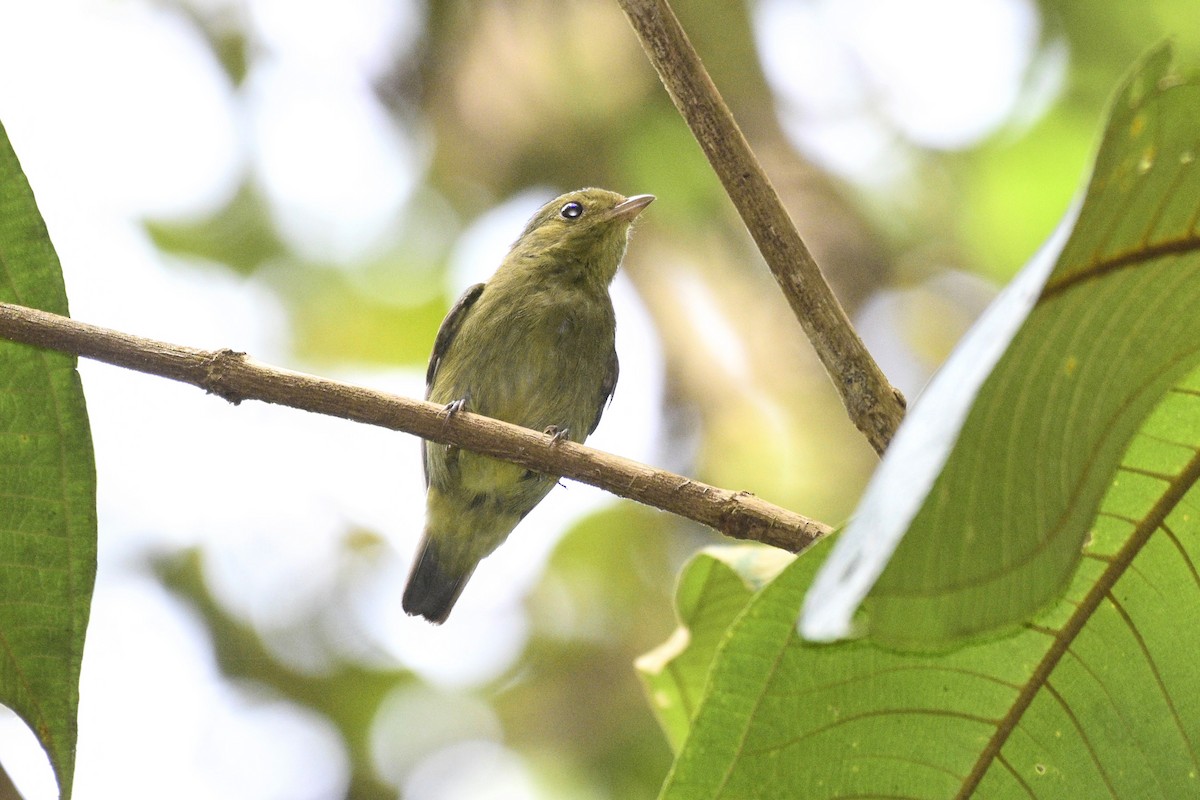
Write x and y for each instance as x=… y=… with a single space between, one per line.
x=534 y=346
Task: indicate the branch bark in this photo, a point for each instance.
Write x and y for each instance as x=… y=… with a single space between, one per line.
x=874 y=406
x=235 y=377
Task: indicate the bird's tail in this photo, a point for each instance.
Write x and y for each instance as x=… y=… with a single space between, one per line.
x=434 y=584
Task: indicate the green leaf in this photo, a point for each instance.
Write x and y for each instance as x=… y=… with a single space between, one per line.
x=47 y=492
x=1098 y=697
x=1081 y=468
x=713 y=588
x=995 y=529
x=239 y=235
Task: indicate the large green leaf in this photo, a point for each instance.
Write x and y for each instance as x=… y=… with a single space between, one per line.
x=47 y=492
x=1097 y=697
x=713 y=589
x=1069 y=498
x=994 y=487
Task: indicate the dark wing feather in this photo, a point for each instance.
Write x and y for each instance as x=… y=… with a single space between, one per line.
x=446 y=333
x=606 y=389
x=445 y=336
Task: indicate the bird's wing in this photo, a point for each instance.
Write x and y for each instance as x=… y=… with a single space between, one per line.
x=606 y=389
x=445 y=335
x=448 y=331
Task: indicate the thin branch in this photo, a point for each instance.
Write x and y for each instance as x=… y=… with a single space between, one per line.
x=235 y=377
x=874 y=406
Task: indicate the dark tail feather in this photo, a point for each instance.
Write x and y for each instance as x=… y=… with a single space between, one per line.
x=432 y=589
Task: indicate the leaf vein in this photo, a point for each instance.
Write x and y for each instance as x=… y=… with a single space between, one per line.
x=1152 y=664
x=1075 y=623
x=1100 y=267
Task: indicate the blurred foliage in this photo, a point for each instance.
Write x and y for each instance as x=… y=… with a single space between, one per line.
x=347 y=693
x=574 y=701
x=572 y=705
x=239 y=236
x=538 y=93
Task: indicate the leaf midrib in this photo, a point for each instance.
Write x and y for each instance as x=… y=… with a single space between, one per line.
x=1066 y=635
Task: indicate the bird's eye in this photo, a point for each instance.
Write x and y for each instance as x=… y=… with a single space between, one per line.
x=571 y=210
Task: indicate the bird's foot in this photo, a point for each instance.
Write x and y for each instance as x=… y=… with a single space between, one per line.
x=557 y=434
x=450 y=409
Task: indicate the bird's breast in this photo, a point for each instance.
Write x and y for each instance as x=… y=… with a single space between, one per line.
x=542 y=360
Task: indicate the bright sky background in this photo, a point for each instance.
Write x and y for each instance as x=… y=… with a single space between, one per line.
x=118 y=112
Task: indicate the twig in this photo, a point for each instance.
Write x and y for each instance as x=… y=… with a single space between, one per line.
x=875 y=407
x=235 y=377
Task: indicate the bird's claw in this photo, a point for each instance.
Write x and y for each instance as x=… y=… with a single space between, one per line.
x=450 y=410
x=557 y=434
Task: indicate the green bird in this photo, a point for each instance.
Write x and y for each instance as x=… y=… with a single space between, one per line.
x=533 y=346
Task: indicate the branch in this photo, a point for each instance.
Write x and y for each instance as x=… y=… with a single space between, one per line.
x=235 y=377
x=874 y=406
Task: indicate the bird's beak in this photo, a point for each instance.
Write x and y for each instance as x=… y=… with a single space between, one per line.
x=630 y=208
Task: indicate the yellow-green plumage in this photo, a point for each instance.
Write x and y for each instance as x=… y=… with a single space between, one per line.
x=533 y=346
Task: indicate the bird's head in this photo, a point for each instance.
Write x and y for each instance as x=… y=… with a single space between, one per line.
x=587 y=228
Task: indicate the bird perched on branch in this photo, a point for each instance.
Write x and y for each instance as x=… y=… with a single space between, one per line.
x=533 y=346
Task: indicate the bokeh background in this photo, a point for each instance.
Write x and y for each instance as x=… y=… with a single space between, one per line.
x=315 y=182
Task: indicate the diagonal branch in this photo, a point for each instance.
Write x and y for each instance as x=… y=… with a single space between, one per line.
x=874 y=406
x=235 y=377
